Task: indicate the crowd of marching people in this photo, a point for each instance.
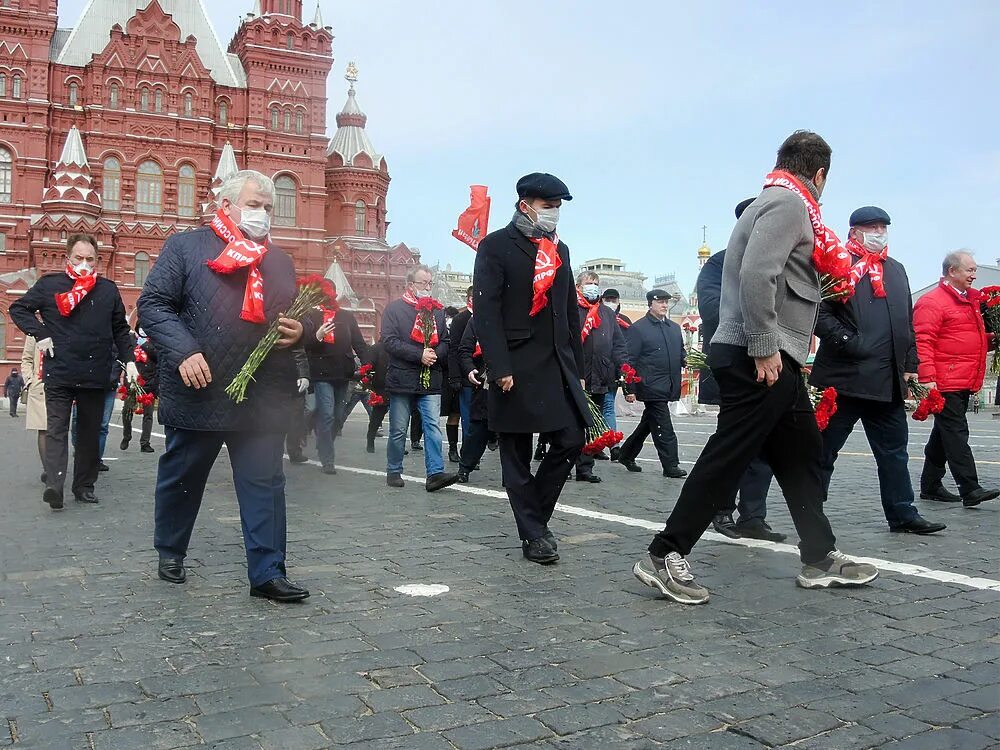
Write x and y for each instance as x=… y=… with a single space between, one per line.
x=534 y=353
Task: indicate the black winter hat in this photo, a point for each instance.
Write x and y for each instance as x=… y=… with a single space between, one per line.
x=869 y=215
x=542 y=185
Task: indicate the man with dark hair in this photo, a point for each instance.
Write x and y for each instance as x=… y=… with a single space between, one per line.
x=656 y=351
x=770 y=295
x=529 y=330
x=82 y=321
x=612 y=299
x=12 y=388
x=457 y=381
x=868 y=353
x=470 y=360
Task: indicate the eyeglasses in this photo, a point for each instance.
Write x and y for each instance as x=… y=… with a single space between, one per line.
x=422 y=284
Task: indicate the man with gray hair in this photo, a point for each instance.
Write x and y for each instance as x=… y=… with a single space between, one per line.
x=951 y=344
x=207 y=303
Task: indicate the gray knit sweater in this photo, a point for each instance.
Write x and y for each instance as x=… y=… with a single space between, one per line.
x=770 y=289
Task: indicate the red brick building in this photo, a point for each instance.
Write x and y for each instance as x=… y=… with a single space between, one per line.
x=123 y=125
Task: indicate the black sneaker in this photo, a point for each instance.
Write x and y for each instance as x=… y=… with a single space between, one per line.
x=147 y=448
x=725 y=525
x=463 y=476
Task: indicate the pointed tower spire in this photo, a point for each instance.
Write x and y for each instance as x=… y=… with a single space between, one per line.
x=257 y=9
x=227 y=168
x=351 y=140
x=318 y=18
x=71 y=187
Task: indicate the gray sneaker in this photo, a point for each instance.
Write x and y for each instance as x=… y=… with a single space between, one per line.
x=836 y=569
x=673 y=579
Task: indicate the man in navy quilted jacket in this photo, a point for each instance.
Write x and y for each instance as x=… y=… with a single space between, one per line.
x=207 y=302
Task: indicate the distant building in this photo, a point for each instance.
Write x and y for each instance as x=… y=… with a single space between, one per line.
x=630 y=284
x=682 y=304
x=457 y=281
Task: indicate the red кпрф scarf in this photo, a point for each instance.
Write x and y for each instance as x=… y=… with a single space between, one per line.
x=547 y=262
x=593 y=319
x=417 y=334
x=241 y=253
x=868 y=263
x=67 y=301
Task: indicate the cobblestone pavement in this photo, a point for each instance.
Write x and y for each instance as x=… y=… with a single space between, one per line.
x=98 y=653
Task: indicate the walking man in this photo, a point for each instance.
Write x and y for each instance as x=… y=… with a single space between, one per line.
x=656 y=350
x=770 y=294
x=952 y=343
x=206 y=305
x=12 y=388
x=145 y=362
x=78 y=320
x=529 y=330
x=868 y=353
x=474 y=439
x=414 y=377
x=458 y=382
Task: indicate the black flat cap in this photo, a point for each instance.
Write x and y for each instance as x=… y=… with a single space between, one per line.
x=611 y=294
x=657 y=294
x=869 y=215
x=542 y=185
x=742 y=206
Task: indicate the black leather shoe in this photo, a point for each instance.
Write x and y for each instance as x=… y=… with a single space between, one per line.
x=394 y=480
x=329 y=469
x=53 y=497
x=86 y=497
x=940 y=494
x=147 y=448
x=979 y=496
x=549 y=537
x=101 y=466
x=725 y=525
x=416 y=446
x=602 y=456
x=616 y=453
x=592 y=478
x=171 y=570
x=630 y=465
x=124 y=444
x=453 y=456
x=437 y=482
x=279 y=590
x=760 y=530
x=539 y=551
x=674 y=472
x=297 y=458
x=463 y=476
x=918 y=526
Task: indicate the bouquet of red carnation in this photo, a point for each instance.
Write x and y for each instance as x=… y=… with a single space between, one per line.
x=834 y=267
x=428 y=327
x=365 y=374
x=599 y=435
x=930 y=401
x=375 y=400
x=696 y=359
x=824 y=403
x=991 y=319
x=628 y=376
x=133 y=396
x=314 y=291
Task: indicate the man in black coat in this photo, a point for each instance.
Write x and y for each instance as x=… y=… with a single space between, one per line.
x=145 y=362
x=12 y=388
x=604 y=353
x=414 y=377
x=473 y=371
x=205 y=323
x=656 y=350
x=529 y=330
x=456 y=379
x=331 y=351
x=82 y=322
x=868 y=352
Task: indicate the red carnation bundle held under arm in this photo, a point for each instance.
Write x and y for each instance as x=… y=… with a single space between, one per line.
x=824 y=403
x=930 y=401
x=599 y=435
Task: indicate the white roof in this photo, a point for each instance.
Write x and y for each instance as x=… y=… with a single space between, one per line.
x=73 y=152
x=351 y=140
x=227 y=164
x=91 y=34
x=336 y=274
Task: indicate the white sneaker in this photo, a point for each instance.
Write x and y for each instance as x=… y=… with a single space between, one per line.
x=673 y=580
x=836 y=569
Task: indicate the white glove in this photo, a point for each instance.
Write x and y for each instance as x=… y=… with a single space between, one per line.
x=131 y=372
x=303 y=384
x=47 y=346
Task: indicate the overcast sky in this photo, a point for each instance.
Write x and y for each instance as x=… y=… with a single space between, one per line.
x=661 y=116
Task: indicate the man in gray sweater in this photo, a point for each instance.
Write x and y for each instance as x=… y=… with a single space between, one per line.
x=770 y=297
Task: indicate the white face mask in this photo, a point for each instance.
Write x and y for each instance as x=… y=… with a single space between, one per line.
x=875 y=241
x=83 y=269
x=546 y=219
x=610 y=305
x=421 y=293
x=590 y=292
x=255 y=223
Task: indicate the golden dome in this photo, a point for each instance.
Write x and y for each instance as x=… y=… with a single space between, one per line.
x=704 y=251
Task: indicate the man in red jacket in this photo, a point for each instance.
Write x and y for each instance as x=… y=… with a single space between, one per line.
x=951 y=345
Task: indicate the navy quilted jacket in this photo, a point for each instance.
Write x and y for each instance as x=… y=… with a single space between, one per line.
x=185 y=308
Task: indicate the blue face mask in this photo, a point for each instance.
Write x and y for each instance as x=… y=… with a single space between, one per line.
x=590 y=292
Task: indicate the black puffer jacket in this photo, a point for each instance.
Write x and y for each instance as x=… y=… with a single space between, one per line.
x=185 y=307
x=85 y=340
x=604 y=352
x=656 y=350
x=334 y=363
x=405 y=353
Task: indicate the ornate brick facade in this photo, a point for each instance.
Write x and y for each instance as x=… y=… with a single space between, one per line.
x=123 y=125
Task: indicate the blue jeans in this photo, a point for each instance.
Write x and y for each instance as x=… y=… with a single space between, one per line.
x=887 y=433
x=260 y=490
x=330 y=401
x=429 y=407
x=109 y=408
x=608 y=408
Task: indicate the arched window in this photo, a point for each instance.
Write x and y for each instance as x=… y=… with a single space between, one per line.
x=274 y=118
x=185 y=190
x=360 y=217
x=17 y=87
x=288 y=120
x=74 y=93
x=223 y=113
x=111 y=185
x=149 y=188
x=284 y=201
x=6 y=176
x=3 y=84
x=290 y=41
x=300 y=122
x=144 y=100
x=113 y=96
x=158 y=100
x=141 y=268
x=188 y=104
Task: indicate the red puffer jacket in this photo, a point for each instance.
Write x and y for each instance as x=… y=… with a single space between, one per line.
x=951 y=339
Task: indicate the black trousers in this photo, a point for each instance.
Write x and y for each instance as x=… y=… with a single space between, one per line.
x=473 y=444
x=89 y=416
x=949 y=444
x=147 y=425
x=755 y=419
x=656 y=421
x=13 y=403
x=585 y=462
x=753 y=488
x=533 y=498
x=375 y=418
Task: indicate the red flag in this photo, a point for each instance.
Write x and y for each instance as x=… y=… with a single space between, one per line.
x=474 y=222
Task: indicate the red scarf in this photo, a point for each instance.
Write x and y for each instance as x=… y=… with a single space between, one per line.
x=330 y=315
x=868 y=263
x=241 y=253
x=477 y=352
x=593 y=319
x=67 y=301
x=829 y=255
x=417 y=334
x=547 y=262
x=139 y=354
x=622 y=322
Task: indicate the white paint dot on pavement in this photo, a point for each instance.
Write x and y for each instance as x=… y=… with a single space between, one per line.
x=422 y=589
